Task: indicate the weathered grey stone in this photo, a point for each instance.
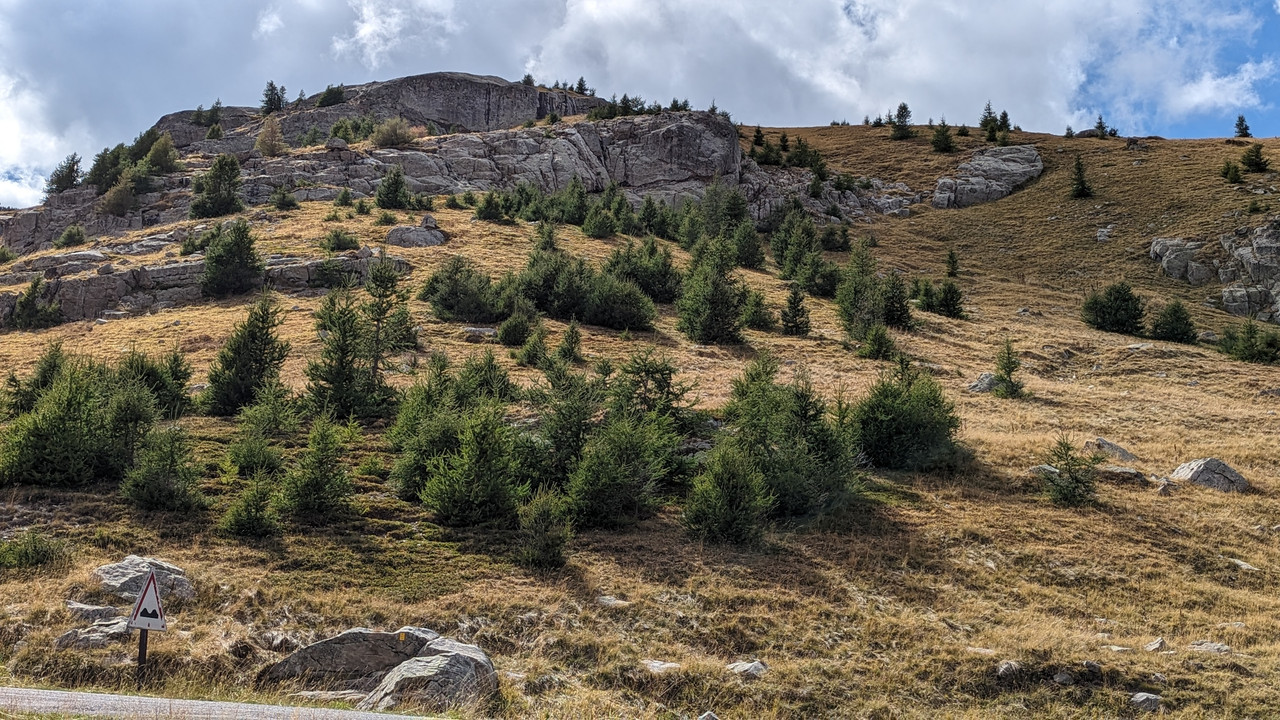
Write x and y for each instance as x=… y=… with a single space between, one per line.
x=1242 y=564
x=326 y=696
x=985 y=383
x=1208 y=646
x=751 y=670
x=1008 y=669
x=479 y=334
x=1155 y=645
x=1106 y=447
x=98 y=635
x=124 y=579
x=611 y=602
x=1118 y=475
x=1062 y=677
x=1146 y=702
x=447 y=674
x=350 y=655
x=1207 y=336
x=990 y=175
x=406 y=236
x=659 y=667
x=1211 y=473
x=91 y=613
x=335 y=143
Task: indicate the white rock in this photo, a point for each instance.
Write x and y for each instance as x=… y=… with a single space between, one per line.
x=1210 y=647
x=609 y=601
x=97 y=635
x=91 y=613
x=1155 y=645
x=753 y=669
x=124 y=579
x=1106 y=447
x=984 y=384
x=1146 y=701
x=658 y=667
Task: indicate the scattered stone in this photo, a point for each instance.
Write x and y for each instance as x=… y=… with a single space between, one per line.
x=452 y=674
x=1064 y=678
x=1117 y=475
x=752 y=670
x=1091 y=666
x=91 y=613
x=1008 y=669
x=980 y=651
x=1269 y=392
x=106 y=269
x=479 y=334
x=1159 y=678
x=1242 y=565
x=1106 y=447
x=658 y=667
x=1104 y=233
x=1138 y=347
x=1210 y=647
x=1118 y=648
x=277 y=641
x=1146 y=702
x=708 y=715
x=335 y=143
x=1207 y=336
x=1165 y=487
x=1237 y=625
x=1043 y=471
x=1155 y=645
x=124 y=579
x=1211 y=473
x=350 y=655
x=985 y=383
x=612 y=602
x=427 y=234
x=98 y=635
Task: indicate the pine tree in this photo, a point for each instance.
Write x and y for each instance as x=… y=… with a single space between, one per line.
x=1253 y=161
x=897 y=309
x=988 y=118
x=758 y=139
x=710 y=305
x=795 y=316
x=317 y=487
x=942 y=141
x=1079 y=185
x=386 y=302
x=1007 y=363
x=1242 y=128
x=1173 y=324
x=249 y=361
x=393 y=192
x=953 y=263
x=1003 y=124
x=273 y=98
x=1100 y=127
x=64 y=177
x=901 y=123
x=338 y=382
x=217 y=189
x=231 y=263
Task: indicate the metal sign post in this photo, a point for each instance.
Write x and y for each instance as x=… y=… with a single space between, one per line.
x=147 y=615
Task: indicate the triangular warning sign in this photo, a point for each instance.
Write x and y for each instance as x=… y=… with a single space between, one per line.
x=147 y=613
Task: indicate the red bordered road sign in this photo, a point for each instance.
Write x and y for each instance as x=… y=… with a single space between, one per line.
x=147 y=613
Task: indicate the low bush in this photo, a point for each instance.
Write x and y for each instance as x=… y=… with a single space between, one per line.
x=756 y=315
x=394 y=132
x=1173 y=324
x=72 y=236
x=317 y=487
x=460 y=292
x=231 y=262
x=33 y=310
x=282 y=199
x=252 y=514
x=1073 y=480
x=544 y=530
x=474 y=484
x=217 y=190
x=163 y=476
x=393 y=191
x=1251 y=343
x=729 y=501
x=32 y=549
x=338 y=241
x=905 y=420
x=1116 y=309
x=623 y=466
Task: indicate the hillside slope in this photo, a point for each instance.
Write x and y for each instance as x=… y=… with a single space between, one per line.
x=905 y=609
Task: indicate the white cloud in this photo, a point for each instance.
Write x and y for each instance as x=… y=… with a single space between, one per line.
x=383 y=26
x=269 y=21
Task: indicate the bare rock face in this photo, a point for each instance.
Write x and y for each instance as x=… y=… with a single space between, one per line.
x=351 y=655
x=1250 y=274
x=446 y=674
x=1211 y=473
x=124 y=579
x=991 y=175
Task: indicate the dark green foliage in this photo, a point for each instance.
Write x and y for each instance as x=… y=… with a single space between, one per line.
x=755 y=314
x=1079 y=185
x=474 y=483
x=795 y=316
x=949 y=300
x=231 y=263
x=988 y=119
x=312 y=137
x=317 y=487
x=163 y=476
x=459 y=292
x=623 y=466
x=387 y=327
x=962 y=131
x=544 y=530
x=331 y=96
x=1173 y=324
x=33 y=309
x=533 y=353
x=84 y=425
x=64 y=177
x=344 y=198
x=216 y=190
x=1070 y=133
x=570 y=348
x=354 y=129
x=198 y=243
x=817 y=276
x=393 y=192
x=897 y=309
x=107 y=167
x=282 y=199
x=166 y=379
x=569 y=416
x=7 y=255
x=567 y=288
x=482 y=378
x=1101 y=127
x=1251 y=343
x=1007 y=363
x=1242 y=128
x=250 y=360
x=649 y=267
x=251 y=515
x=1003 y=124
x=953 y=263
x=1231 y=173
x=1253 y=161
x=215 y=132
x=901 y=124
x=599 y=222
x=711 y=305
x=489 y=208
x=807 y=461
x=252 y=454
x=1116 y=309
x=758 y=138
x=436 y=435
x=904 y=421
x=362 y=208
x=20 y=395
x=339 y=240
x=746 y=240
x=339 y=381
x=942 y=141
x=163 y=157
x=386 y=217
x=859 y=299
x=646 y=384
x=835 y=238
x=729 y=501
x=1075 y=482
x=31 y=549
x=72 y=236
x=514 y=331
x=877 y=344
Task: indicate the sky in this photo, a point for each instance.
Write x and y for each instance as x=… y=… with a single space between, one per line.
x=79 y=75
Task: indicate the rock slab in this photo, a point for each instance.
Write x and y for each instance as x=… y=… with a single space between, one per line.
x=124 y=579
x=989 y=176
x=1211 y=473
x=98 y=635
x=448 y=674
x=350 y=655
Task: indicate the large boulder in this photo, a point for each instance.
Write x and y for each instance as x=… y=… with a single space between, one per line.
x=448 y=674
x=991 y=175
x=125 y=578
x=351 y=655
x=98 y=635
x=426 y=234
x=1211 y=473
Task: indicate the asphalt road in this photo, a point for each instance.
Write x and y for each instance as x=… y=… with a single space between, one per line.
x=152 y=708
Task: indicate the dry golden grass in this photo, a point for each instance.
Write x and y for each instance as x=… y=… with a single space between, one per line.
x=890 y=619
